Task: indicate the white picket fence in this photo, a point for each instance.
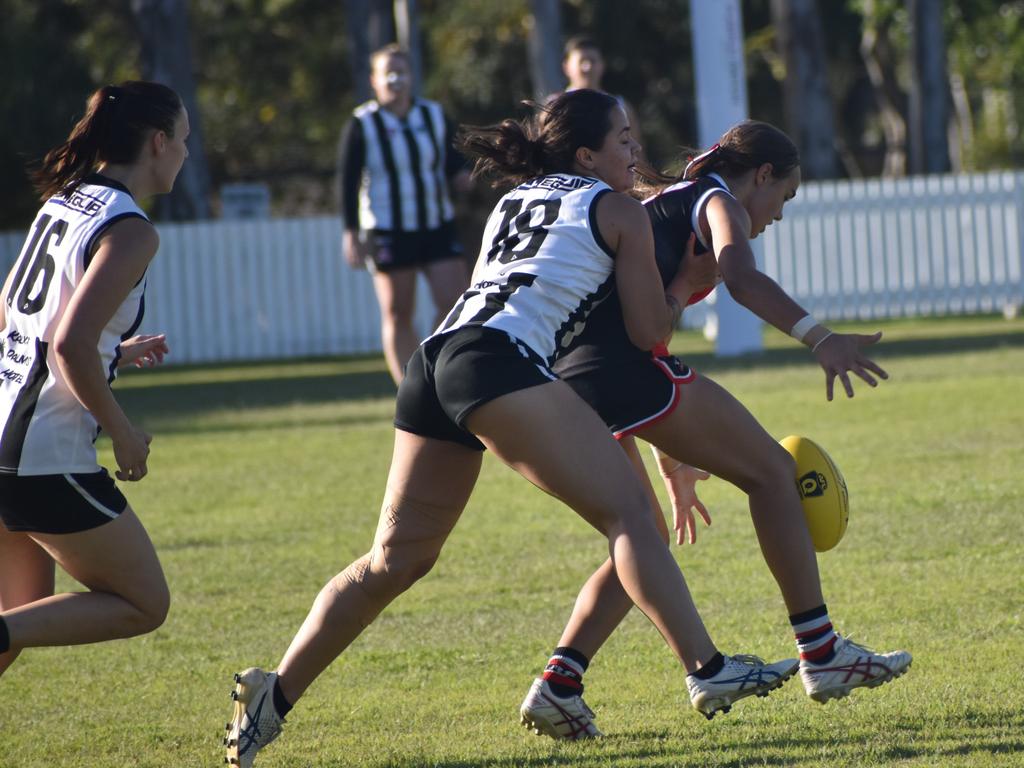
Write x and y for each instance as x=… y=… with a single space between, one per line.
x=247 y=290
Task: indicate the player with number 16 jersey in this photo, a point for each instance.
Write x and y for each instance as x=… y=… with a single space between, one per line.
x=45 y=428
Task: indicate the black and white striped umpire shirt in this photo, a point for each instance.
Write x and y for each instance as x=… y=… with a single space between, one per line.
x=394 y=172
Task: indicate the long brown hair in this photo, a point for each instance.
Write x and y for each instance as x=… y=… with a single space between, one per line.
x=515 y=151
x=117 y=120
x=745 y=146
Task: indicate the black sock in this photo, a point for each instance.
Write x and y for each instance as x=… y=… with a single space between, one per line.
x=5 y=636
x=564 y=672
x=280 y=702
x=712 y=668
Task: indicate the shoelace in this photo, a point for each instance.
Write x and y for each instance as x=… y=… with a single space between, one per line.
x=749 y=659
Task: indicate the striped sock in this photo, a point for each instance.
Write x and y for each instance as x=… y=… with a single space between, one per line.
x=815 y=636
x=564 y=672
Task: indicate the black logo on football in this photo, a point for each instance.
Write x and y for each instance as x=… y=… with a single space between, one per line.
x=812 y=484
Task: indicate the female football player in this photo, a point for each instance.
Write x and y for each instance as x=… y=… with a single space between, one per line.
x=726 y=196
x=484 y=380
x=70 y=306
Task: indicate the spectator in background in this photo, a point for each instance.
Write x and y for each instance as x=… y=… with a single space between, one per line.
x=395 y=166
x=583 y=65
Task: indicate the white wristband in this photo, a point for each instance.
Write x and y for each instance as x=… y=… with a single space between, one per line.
x=802 y=326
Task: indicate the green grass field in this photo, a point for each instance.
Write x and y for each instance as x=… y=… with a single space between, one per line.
x=266 y=479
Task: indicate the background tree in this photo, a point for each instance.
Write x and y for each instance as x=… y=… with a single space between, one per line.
x=807 y=97
x=167 y=58
x=929 y=89
x=277 y=78
x=545 y=44
x=880 y=58
x=370 y=27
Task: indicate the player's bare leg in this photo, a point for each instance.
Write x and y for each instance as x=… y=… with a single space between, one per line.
x=428 y=486
x=26 y=575
x=127 y=594
x=447 y=279
x=396 y=295
x=552 y=438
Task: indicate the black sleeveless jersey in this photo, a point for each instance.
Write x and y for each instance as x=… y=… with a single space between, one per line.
x=673 y=215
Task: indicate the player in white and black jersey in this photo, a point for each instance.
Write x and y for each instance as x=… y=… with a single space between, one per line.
x=69 y=310
x=396 y=169
x=484 y=380
x=725 y=197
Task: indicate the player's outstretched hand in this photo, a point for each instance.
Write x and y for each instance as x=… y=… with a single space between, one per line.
x=143 y=351
x=681 y=483
x=839 y=354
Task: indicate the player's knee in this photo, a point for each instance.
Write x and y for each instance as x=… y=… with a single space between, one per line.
x=405 y=565
x=150 y=612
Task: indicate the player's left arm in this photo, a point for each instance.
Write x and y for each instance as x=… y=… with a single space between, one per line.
x=3 y=298
x=838 y=354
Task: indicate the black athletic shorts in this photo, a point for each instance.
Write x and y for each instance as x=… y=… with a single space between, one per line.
x=59 y=503
x=388 y=250
x=449 y=376
x=631 y=396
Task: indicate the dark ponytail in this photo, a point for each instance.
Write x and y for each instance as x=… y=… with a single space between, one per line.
x=117 y=121
x=514 y=152
x=746 y=145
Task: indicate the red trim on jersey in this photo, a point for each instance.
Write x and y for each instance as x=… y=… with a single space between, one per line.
x=662 y=414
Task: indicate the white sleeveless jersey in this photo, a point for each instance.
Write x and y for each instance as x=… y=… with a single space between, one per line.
x=44 y=429
x=543 y=265
x=404 y=186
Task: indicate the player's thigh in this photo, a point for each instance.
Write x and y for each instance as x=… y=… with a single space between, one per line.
x=117 y=557
x=551 y=437
x=396 y=293
x=713 y=430
x=438 y=472
x=429 y=484
x=26 y=570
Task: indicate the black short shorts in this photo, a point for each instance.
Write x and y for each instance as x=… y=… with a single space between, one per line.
x=629 y=397
x=388 y=250
x=451 y=375
x=59 y=503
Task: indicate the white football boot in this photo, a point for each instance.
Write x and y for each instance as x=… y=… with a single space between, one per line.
x=739 y=677
x=255 y=722
x=560 y=718
x=853 y=666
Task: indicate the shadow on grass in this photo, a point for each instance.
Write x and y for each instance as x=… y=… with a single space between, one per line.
x=172 y=406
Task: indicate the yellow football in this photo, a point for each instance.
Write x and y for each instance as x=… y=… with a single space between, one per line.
x=822 y=489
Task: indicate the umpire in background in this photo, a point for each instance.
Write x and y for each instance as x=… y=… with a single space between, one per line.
x=396 y=165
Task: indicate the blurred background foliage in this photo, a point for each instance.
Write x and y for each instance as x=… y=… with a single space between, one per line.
x=274 y=79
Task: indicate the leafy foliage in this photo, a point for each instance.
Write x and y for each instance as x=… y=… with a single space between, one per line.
x=275 y=77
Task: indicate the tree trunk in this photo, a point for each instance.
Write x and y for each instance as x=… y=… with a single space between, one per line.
x=808 y=101
x=408 y=27
x=167 y=59
x=929 y=90
x=545 y=46
x=370 y=27
x=876 y=51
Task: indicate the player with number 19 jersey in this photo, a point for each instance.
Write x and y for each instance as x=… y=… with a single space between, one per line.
x=545 y=269
x=44 y=429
